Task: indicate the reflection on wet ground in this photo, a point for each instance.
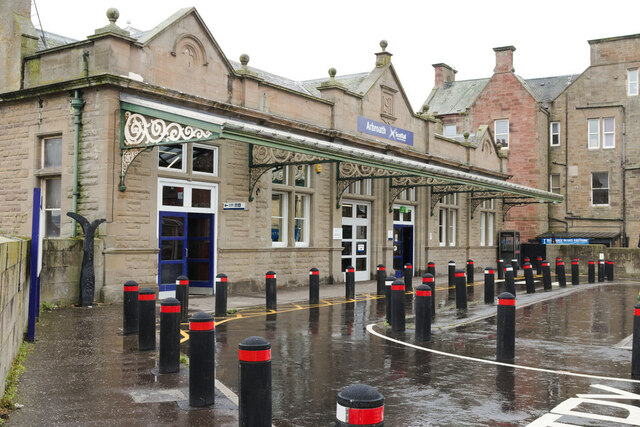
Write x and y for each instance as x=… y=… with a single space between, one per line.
x=318 y=352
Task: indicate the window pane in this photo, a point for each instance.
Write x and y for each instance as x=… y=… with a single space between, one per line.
x=199 y=249
x=346 y=248
x=52 y=156
x=278 y=214
x=276 y=230
x=203 y=159
x=172 y=196
x=483 y=229
x=442 y=224
x=396 y=214
x=172 y=226
x=52 y=223
x=632 y=77
x=600 y=180
x=301 y=175
x=198 y=271
x=407 y=216
x=600 y=197
x=199 y=227
x=279 y=175
x=301 y=206
x=200 y=198
x=361 y=248
x=361 y=211
x=301 y=217
x=170 y=156
x=347 y=210
x=452 y=226
x=53 y=192
x=346 y=262
x=594 y=133
x=490 y=219
x=450 y=130
x=608 y=124
x=361 y=264
x=169 y=272
x=347 y=232
x=361 y=232
x=171 y=250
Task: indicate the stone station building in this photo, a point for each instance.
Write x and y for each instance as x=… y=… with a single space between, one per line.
x=202 y=165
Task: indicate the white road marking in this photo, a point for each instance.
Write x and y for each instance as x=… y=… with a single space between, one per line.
x=493 y=362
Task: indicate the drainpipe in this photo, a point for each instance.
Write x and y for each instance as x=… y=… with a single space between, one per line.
x=76 y=103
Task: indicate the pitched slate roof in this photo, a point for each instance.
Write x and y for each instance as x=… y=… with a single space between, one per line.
x=352 y=82
x=275 y=79
x=454 y=97
x=53 y=40
x=548 y=88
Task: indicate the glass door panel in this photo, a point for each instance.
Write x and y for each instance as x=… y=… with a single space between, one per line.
x=200 y=250
x=171 y=262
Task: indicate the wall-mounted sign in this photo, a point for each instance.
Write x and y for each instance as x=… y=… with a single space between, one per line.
x=565 y=241
x=383 y=130
x=337 y=233
x=234 y=206
x=360 y=248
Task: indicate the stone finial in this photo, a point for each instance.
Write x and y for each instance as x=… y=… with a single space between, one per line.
x=112 y=15
x=332 y=73
x=244 y=60
x=244 y=69
x=332 y=82
x=383 y=57
x=383 y=45
x=466 y=136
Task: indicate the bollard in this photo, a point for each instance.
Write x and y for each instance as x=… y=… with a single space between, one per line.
x=514 y=265
x=314 y=286
x=526 y=259
x=381 y=271
x=408 y=276
x=182 y=295
x=546 y=275
x=506 y=327
x=591 y=271
x=202 y=353
x=169 y=358
x=635 y=351
x=427 y=279
x=489 y=285
x=423 y=312
x=397 y=306
x=509 y=283
x=601 y=270
x=146 y=319
x=539 y=265
x=221 y=295
x=388 y=282
x=613 y=264
x=350 y=283
x=452 y=274
x=254 y=408
x=562 y=277
x=359 y=405
x=500 y=269
x=575 y=274
x=461 y=290
x=270 y=280
x=528 y=277
x=130 y=308
x=470 y=271
x=431 y=268
x=609 y=269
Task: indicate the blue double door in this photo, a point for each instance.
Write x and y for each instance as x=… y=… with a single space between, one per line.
x=186 y=248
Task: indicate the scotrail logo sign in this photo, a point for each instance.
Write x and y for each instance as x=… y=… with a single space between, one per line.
x=371 y=127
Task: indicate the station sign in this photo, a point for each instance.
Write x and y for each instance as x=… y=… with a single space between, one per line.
x=234 y=206
x=565 y=241
x=383 y=130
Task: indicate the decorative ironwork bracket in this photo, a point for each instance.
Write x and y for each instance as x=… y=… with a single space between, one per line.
x=349 y=173
x=399 y=184
x=509 y=203
x=140 y=133
x=477 y=201
x=263 y=159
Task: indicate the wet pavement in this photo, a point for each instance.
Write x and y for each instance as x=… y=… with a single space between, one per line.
x=567 y=341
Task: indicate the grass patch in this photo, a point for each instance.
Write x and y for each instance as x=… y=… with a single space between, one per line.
x=8 y=401
x=48 y=306
x=232 y=311
x=184 y=359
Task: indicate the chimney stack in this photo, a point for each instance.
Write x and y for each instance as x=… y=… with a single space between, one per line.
x=504 y=59
x=444 y=74
x=19 y=39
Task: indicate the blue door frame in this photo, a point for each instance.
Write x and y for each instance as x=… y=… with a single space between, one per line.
x=178 y=242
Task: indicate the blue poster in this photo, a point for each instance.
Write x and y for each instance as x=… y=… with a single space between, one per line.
x=566 y=241
x=383 y=130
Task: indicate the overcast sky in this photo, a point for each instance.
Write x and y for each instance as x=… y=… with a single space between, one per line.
x=301 y=39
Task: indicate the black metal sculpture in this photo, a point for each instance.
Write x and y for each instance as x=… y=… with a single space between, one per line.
x=87 y=274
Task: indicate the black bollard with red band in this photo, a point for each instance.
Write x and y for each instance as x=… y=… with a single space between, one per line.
x=635 y=346
x=146 y=319
x=591 y=271
x=388 y=283
x=423 y=312
x=169 y=358
x=314 y=286
x=221 y=295
x=397 y=306
x=350 y=285
x=514 y=265
x=359 y=405
x=130 y=308
x=470 y=278
x=526 y=259
x=500 y=269
x=461 y=289
x=509 y=281
x=506 y=327
x=539 y=265
x=431 y=268
x=182 y=295
x=609 y=269
x=380 y=274
x=601 y=270
x=546 y=275
x=254 y=357
x=427 y=279
x=270 y=281
x=489 y=285
x=575 y=274
x=452 y=274
x=408 y=277
x=562 y=277
x=202 y=360
x=528 y=278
